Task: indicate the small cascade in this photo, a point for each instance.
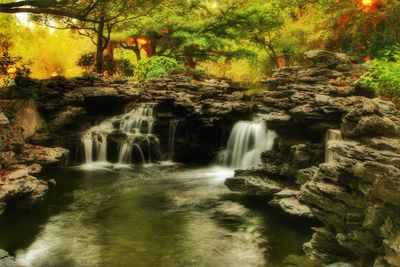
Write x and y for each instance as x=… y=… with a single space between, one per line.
x=134 y=132
x=331 y=134
x=246 y=142
x=96 y=137
x=173 y=124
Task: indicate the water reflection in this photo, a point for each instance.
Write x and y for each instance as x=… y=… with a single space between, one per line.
x=164 y=216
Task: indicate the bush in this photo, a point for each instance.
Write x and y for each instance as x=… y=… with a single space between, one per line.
x=154 y=67
x=383 y=75
x=124 y=67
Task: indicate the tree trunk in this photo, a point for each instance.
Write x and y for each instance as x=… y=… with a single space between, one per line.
x=189 y=58
x=136 y=50
x=99 y=44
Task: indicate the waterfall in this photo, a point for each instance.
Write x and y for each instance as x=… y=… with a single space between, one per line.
x=87 y=141
x=134 y=127
x=331 y=134
x=173 y=124
x=246 y=142
x=96 y=137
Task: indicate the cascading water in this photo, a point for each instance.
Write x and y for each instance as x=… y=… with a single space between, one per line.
x=136 y=130
x=96 y=137
x=173 y=124
x=246 y=142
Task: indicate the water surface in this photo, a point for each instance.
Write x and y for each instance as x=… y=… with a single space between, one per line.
x=154 y=216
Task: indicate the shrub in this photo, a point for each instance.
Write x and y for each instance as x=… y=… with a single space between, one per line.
x=154 y=67
x=124 y=67
x=383 y=75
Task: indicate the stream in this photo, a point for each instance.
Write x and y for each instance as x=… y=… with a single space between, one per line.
x=149 y=216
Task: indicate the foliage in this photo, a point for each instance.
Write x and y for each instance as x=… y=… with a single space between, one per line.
x=120 y=66
x=10 y=68
x=383 y=75
x=154 y=67
x=124 y=67
x=179 y=70
x=87 y=62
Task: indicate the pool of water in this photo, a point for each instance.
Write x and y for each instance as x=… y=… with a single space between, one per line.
x=150 y=217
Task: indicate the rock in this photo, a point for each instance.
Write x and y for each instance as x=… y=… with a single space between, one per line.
x=20 y=185
x=66 y=117
x=288 y=201
x=340 y=264
x=304 y=175
x=253 y=185
x=11 y=137
x=349 y=182
x=7 y=159
x=6 y=260
x=321 y=58
x=323 y=247
x=298 y=261
x=43 y=155
x=3 y=119
x=307 y=155
x=44 y=139
x=371 y=118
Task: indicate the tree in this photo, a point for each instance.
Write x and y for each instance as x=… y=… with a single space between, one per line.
x=107 y=16
x=184 y=30
x=66 y=8
x=95 y=19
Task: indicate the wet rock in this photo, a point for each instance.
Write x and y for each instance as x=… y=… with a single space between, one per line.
x=6 y=260
x=288 y=201
x=253 y=185
x=340 y=264
x=18 y=185
x=298 y=261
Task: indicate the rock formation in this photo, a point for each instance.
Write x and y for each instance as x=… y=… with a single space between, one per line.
x=355 y=189
x=18 y=162
x=205 y=110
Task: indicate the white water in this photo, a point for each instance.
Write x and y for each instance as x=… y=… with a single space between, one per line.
x=247 y=141
x=136 y=126
x=173 y=124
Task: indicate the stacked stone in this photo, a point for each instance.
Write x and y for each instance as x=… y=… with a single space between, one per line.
x=351 y=182
x=17 y=162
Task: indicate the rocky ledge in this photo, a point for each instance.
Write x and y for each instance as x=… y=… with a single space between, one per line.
x=18 y=162
x=205 y=109
x=337 y=155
